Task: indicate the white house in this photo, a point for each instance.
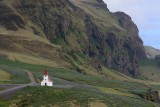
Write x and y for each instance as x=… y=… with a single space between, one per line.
x=46 y=80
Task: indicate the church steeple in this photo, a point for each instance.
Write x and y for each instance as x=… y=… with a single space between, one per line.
x=45 y=72
x=46 y=80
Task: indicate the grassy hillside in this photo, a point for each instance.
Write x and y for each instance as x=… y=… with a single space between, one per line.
x=110 y=80
x=150 y=69
x=75 y=43
x=118 y=88
x=12 y=76
x=4 y=76
x=73 y=97
x=58 y=33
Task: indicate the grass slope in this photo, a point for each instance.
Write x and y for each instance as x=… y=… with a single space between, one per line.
x=117 y=90
x=68 y=97
x=17 y=76
x=150 y=69
x=4 y=76
x=12 y=75
x=72 y=75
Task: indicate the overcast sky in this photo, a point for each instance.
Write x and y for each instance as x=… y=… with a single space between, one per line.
x=145 y=13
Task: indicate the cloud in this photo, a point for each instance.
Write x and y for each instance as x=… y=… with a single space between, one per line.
x=145 y=13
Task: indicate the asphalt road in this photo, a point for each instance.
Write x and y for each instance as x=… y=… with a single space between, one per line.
x=10 y=89
x=9 y=92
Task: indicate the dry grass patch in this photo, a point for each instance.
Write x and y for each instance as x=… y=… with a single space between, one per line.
x=28 y=59
x=31 y=51
x=122 y=77
x=4 y=76
x=97 y=104
x=113 y=91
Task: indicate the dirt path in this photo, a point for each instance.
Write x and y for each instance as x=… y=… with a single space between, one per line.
x=31 y=76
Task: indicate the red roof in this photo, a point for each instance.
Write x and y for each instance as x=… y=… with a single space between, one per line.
x=45 y=72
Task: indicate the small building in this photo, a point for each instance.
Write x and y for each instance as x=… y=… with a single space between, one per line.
x=46 y=80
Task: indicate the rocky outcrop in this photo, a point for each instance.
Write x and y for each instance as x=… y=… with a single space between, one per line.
x=98 y=4
x=109 y=40
x=126 y=22
x=9 y=19
x=151 y=96
x=116 y=52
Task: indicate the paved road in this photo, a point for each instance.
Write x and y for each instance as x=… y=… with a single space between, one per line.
x=9 y=92
x=12 y=88
x=16 y=87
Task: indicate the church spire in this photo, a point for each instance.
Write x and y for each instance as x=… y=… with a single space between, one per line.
x=45 y=72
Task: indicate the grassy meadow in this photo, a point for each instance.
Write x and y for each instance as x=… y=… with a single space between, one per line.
x=150 y=69
x=105 y=91
x=71 y=75
x=74 y=97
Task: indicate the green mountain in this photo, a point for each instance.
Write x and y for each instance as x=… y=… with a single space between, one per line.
x=77 y=34
x=150 y=67
x=94 y=57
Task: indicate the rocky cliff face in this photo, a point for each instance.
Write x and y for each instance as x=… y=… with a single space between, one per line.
x=84 y=29
x=151 y=96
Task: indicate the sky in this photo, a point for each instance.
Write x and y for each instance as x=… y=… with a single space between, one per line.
x=145 y=14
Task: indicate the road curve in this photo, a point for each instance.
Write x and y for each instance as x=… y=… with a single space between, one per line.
x=16 y=87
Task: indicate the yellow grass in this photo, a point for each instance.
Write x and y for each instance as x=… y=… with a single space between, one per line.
x=119 y=76
x=97 y=104
x=4 y=76
x=28 y=59
x=113 y=91
x=27 y=34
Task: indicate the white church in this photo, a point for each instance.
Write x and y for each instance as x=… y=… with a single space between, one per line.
x=46 y=80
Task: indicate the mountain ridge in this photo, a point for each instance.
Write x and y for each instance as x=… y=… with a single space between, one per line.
x=151 y=52
x=90 y=36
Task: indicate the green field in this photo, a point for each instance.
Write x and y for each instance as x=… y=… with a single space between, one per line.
x=4 y=103
x=75 y=96
x=105 y=91
x=13 y=76
x=150 y=69
x=72 y=75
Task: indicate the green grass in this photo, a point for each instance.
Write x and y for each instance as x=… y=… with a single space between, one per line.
x=46 y=96
x=72 y=75
x=4 y=103
x=1 y=89
x=150 y=69
x=120 y=96
x=117 y=92
x=17 y=76
x=5 y=76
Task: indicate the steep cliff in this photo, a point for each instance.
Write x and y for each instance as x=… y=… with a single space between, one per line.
x=84 y=33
